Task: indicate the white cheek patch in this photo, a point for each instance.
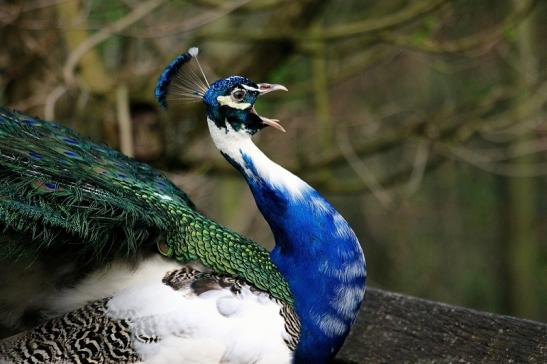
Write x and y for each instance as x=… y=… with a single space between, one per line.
x=227 y=101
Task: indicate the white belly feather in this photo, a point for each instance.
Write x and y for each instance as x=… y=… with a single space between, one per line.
x=169 y=323
x=216 y=326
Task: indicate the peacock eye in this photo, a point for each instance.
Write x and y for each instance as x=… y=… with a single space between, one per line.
x=238 y=94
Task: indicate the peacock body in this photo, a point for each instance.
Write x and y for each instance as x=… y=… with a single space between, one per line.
x=92 y=221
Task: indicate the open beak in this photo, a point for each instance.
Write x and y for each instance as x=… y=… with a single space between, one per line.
x=264 y=88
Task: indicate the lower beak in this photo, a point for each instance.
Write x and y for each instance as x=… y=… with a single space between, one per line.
x=271 y=122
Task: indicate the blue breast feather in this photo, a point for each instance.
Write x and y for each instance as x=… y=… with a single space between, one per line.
x=315 y=251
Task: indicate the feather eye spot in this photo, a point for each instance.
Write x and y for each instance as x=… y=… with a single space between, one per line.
x=100 y=170
x=30 y=122
x=164 y=248
x=45 y=186
x=35 y=155
x=71 y=154
x=70 y=141
x=50 y=186
x=162 y=185
x=100 y=148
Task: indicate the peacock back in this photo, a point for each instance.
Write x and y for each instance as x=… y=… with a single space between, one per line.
x=61 y=193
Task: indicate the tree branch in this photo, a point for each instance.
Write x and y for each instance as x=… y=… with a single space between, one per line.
x=415 y=10
x=97 y=38
x=482 y=40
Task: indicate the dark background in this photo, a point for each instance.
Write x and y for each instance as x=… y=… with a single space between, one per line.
x=424 y=121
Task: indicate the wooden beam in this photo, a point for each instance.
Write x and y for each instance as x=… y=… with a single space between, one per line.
x=394 y=328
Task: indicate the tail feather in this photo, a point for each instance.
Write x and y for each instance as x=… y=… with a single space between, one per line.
x=53 y=180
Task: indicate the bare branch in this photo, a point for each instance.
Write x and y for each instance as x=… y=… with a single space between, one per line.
x=512 y=126
x=502 y=169
x=415 y=10
x=419 y=166
x=364 y=173
x=40 y=4
x=356 y=186
x=485 y=39
x=124 y=121
x=252 y=6
x=170 y=29
x=51 y=100
x=97 y=38
x=388 y=139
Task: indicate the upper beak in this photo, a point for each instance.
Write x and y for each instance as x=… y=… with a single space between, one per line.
x=265 y=88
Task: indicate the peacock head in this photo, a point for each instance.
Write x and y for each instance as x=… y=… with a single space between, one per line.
x=229 y=101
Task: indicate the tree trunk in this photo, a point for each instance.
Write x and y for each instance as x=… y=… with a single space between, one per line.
x=523 y=246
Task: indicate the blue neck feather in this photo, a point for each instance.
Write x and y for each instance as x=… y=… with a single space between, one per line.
x=318 y=254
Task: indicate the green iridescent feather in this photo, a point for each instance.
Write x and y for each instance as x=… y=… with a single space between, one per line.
x=65 y=192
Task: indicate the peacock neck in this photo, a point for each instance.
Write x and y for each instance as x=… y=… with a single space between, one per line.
x=316 y=250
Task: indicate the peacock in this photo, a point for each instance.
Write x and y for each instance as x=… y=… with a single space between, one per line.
x=110 y=262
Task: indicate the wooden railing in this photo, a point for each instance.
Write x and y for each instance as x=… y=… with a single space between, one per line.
x=394 y=328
